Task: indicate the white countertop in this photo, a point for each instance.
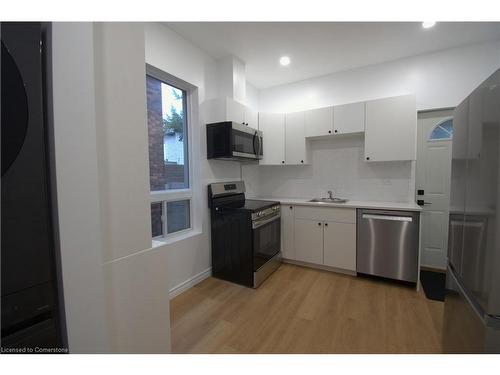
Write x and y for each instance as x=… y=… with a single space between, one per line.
x=410 y=206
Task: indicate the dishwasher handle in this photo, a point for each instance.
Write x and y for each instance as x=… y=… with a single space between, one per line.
x=388 y=218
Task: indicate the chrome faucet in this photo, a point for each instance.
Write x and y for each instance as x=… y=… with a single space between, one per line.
x=330 y=194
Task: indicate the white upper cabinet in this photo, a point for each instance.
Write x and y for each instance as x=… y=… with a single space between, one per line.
x=390 y=129
x=273 y=127
x=319 y=122
x=251 y=118
x=349 y=118
x=235 y=111
x=226 y=109
x=295 y=142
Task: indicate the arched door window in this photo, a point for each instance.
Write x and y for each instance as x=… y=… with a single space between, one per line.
x=443 y=131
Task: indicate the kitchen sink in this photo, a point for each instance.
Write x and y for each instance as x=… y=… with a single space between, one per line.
x=328 y=200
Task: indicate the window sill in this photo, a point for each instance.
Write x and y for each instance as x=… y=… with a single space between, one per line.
x=157 y=242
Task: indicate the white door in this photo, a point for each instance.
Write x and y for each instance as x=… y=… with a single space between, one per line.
x=295 y=141
x=349 y=118
x=272 y=126
x=339 y=245
x=433 y=184
x=309 y=241
x=319 y=122
x=287 y=235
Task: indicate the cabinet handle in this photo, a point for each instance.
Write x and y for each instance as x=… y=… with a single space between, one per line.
x=326 y=224
x=329 y=132
x=335 y=130
x=302 y=161
x=319 y=224
x=367 y=158
x=282 y=162
x=291 y=207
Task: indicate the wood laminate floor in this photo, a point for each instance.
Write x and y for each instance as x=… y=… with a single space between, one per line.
x=302 y=310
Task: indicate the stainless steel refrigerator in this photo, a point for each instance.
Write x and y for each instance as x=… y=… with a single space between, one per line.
x=472 y=304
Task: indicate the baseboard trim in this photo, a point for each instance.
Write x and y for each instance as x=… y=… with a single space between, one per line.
x=189 y=283
x=319 y=267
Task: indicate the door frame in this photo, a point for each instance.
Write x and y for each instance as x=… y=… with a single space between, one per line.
x=417 y=175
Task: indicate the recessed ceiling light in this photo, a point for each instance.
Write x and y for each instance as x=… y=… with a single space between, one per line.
x=428 y=24
x=284 y=60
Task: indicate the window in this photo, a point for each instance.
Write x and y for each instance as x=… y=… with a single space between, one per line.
x=168 y=105
x=442 y=131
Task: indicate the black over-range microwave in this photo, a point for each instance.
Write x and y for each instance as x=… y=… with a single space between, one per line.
x=233 y=141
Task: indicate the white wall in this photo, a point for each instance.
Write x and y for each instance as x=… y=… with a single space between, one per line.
x=80 y=233
x=168 y=51
x=122 y=138
x=115 y=285
x=337 y=165
x=439 y=80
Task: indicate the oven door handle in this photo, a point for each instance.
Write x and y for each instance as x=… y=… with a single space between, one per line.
x=258 y=223
x=259 y=150
x=253 y=143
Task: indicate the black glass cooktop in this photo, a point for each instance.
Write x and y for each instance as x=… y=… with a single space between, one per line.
x=256 y=205
x=251 y=205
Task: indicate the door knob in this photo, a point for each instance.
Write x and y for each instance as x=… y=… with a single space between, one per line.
x=421 y=202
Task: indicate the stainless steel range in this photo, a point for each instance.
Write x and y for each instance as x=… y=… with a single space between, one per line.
x=245 y=235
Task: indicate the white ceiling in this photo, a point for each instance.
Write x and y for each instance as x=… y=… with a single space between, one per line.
x=322 y=48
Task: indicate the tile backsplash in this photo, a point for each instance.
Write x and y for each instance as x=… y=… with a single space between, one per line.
x=338 y=165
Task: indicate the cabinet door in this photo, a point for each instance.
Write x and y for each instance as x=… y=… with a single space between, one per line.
x=349 y=118
x=319 y=122
x=287 y=235
x=235 y=111
x=295 y=141
x=339 y=245
x=391 y=127
x=272 y=126
x=214 y=110
x=309 y=241
x=251 y=118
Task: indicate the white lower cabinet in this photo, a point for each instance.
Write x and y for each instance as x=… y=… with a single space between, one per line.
x=287 y=233
x=323 y=236
x=339 y=245
x=309 y=241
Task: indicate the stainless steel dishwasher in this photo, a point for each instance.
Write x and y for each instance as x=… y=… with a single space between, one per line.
x=387 y=243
